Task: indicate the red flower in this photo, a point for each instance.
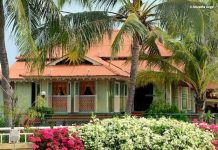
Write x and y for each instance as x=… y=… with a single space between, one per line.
x=34 y=146
x=203 y=125
x=195 y=121
x=56 y=139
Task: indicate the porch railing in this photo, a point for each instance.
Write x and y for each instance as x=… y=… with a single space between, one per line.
x=23 y=135
x=60 y=103
x=87 y=103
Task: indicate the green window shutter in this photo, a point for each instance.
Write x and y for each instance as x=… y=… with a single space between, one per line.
x=49 y=88
x=175 y=92
x=184 y=97
x=189 y=103
x=122 y=92
x=111 y=97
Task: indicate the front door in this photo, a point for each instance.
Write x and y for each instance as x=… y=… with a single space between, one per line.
x=143 y=98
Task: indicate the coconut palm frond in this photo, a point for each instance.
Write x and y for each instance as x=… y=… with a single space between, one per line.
x=158 y=78
x=25 y=17
x=90 y=27
x=16 y=13
x=149 y=43
x=70 y=33
x=61 y=3
x=131 y=27
x=178 y=15
x=106 y=4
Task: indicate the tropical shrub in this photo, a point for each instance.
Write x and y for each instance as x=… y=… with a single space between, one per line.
x=38 y=112
x=160 y=108
x=2 y=121
x=56 y=139
x=132 y=133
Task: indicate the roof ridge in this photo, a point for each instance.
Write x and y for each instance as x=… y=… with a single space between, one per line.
x=106 y=66
x=119 y=68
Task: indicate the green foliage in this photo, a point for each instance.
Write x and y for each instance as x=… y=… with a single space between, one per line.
x=40 y=110
x=131 y=133
x=2 y=122
x=160 y=106
x=40 y=102
x=45 y=110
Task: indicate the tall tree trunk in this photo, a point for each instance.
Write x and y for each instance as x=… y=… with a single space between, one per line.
x=5 y=70
x=199 y=104
x=133 y=72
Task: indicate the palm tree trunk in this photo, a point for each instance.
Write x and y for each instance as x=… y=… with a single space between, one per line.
x=5 y=70
x=133 y=72
x=199 y=104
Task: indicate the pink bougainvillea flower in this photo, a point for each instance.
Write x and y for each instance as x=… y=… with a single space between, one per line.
x=46 y=134
x=203 y=125
x=56 y=139
x=213 y=127
x=71 y=143
x=34 y=146
x=195 y=121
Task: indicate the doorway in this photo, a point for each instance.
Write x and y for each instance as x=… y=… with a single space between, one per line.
x=143 y=97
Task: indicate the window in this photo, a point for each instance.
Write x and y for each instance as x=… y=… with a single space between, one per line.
x=87 y=88
x=117 y=89
x=59 y=88
x=125 y=90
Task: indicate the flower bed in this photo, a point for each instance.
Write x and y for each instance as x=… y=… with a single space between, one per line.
x=56 y=139
x=131 y=133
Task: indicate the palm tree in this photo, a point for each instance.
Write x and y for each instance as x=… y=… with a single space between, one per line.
x=4 y=67
x=75 y=33
x=193 y=60
x=139 y=18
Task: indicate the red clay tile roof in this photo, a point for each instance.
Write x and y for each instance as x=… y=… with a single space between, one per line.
x=212 y=86
x=19 y=71
x=103 y=49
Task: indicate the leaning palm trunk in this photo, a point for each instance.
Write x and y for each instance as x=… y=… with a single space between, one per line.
x=133 y=72
x=5 y=70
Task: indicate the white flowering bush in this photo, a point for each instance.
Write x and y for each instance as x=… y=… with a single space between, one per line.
x=131 y=133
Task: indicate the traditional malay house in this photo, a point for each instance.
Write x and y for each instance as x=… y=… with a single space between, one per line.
x=98 y=84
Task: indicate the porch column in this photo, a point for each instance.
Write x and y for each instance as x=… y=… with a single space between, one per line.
x=49 y=94
x=169 y=94
x=102 y=90
x=76 y=96
x=117 y=97
x=72 y=96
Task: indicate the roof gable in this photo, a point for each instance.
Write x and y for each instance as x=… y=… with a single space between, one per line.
x=64 y=61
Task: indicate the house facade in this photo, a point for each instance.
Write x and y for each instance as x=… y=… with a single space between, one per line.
x=97 y=84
